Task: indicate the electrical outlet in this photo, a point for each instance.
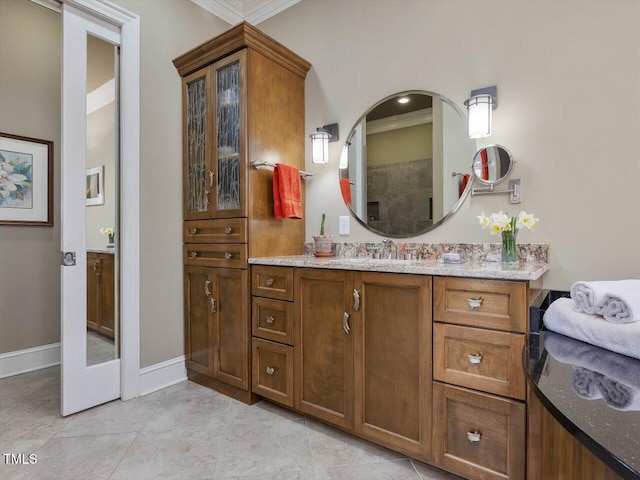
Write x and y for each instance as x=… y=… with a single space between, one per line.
x=343 y=225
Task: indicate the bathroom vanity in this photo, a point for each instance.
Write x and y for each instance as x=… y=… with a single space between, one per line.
x=420 y=357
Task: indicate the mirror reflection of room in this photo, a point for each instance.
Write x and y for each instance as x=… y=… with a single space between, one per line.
x=101 y=200
x=400 y=159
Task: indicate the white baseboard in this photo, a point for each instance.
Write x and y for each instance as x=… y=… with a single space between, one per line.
x=29 y=359
x=162 y=375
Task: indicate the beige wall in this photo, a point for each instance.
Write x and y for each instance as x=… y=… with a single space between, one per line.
x=168 y=29
x=568 y=77
x=399 y=145
x=30 y=38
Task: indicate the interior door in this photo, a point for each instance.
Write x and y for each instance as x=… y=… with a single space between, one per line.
x=90 y=376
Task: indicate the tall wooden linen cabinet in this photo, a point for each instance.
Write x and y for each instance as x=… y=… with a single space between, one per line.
x=243 y=102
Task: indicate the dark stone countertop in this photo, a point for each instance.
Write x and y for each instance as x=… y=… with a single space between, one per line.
x=555 y=363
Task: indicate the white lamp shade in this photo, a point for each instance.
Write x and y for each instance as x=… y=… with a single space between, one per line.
x=320 y=147
x=480 y=109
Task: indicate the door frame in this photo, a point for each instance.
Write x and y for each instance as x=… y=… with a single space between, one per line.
x=129 y=25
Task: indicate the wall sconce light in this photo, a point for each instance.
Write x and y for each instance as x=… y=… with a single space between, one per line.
x=320 y=142
x=480 y=106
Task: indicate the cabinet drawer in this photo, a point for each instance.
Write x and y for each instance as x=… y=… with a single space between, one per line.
x=484 y=360
x=230 y=230
x=273 y=371
x=497 y=304
x=272 y=282
x=273 y=320
x=476 y=435
x=231 y=255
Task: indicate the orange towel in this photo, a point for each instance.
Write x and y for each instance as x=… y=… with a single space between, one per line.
x=463 y=183
x=345 y=188
x=287 y=194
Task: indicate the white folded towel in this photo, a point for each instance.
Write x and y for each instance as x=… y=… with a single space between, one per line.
x=563 y=316
x=598 y=373
x=617 y=301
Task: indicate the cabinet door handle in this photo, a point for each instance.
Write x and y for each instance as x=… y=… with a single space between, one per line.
x=95 y=266
x=474 y=436
x=193 y=231
x=206 y=288
x=206 y=198
x=356 y=300
x=227 y=230
x=269 y=282
x=475 y=302
x=345 y=323
x=475 y=358
x=271 y=370
x=228 y=255
x=270 y=319
x=211 y=175
x=193 y=254
x=213 y=305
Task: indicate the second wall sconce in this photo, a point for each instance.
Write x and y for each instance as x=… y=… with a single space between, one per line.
x=480 y=106
x=320 y=142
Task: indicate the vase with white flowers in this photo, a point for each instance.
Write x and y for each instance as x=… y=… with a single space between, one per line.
x=508 y=227
x=111 y=234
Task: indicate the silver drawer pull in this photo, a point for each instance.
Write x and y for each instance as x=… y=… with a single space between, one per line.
x=474 y=436
x=269 y=282
x=356 y=300
x=345 y=323
x=228 y=255
x=211 y=175
x=475 y=358
x=193 y=254
x=475 y=302
x=227 y=230
x=193 y=231
x=213 y=305
x=207 y=292
x=271 y=370
x=270 y=319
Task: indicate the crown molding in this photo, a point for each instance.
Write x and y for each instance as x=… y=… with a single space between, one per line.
x=237 y=11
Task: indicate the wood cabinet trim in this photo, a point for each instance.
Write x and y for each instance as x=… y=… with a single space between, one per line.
x=241 y=36
x=283 y=319
x=284 y=396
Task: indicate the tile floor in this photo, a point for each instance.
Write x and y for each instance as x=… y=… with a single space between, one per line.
x=100 y=349
x=182 y=432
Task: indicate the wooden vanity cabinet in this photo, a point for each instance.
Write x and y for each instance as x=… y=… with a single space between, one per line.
x=237 y=89
x=101 y=311
x=323 y=352
x=392 y=328
x=479 y=411
x=217 y=336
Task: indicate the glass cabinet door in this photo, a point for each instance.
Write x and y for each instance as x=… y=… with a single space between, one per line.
x=229 y=154
x=198 y=180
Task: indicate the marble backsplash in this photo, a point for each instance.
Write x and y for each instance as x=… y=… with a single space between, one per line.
x=537 y=253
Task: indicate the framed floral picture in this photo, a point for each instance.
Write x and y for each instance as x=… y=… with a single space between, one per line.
x=26 y=181
x=95 y=185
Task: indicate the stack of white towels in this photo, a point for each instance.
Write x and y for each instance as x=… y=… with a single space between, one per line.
x=605 y=314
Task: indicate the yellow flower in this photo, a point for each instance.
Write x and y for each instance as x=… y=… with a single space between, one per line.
x=107 y=231
x=484 y=221
x=496 y=228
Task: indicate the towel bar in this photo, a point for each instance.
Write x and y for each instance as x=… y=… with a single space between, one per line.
x=303 y=174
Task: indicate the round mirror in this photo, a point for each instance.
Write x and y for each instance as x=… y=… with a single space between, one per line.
x=492 y=164
x=405 y=165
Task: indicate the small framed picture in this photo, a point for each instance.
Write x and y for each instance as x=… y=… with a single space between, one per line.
x=26 y=181
x=95 y=185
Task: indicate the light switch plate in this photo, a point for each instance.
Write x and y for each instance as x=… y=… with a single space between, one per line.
x=343 y=225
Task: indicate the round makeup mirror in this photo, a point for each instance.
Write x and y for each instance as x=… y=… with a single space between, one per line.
x=492 y=164
x=404 y=168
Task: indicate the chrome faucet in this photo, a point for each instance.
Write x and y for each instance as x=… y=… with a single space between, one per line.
x=387 y=242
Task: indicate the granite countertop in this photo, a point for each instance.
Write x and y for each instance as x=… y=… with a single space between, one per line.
x=526 y=271
x=555 y=363
x=101 y=250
